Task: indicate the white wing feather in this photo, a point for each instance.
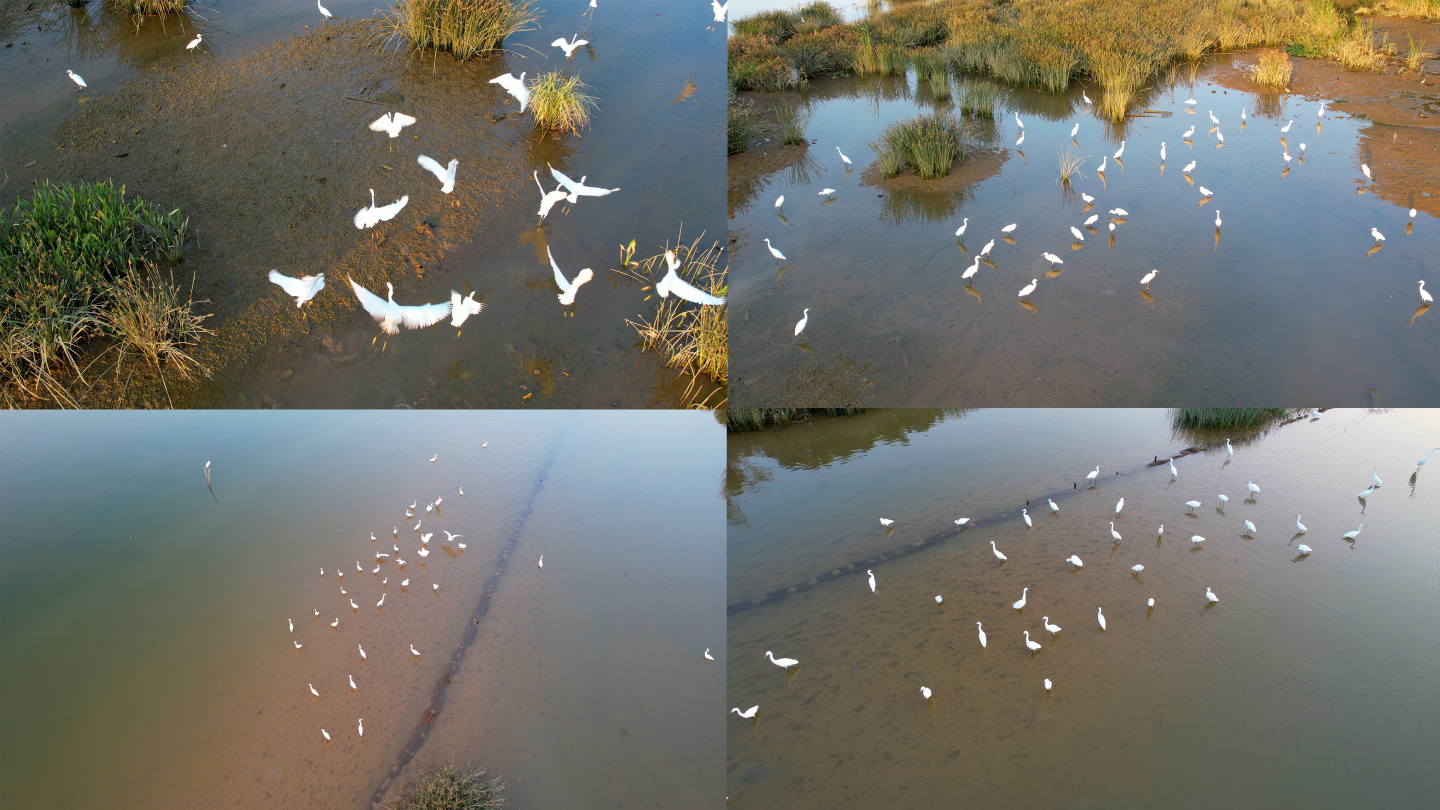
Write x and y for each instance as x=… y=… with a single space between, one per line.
x=302 y=289
x=672 y=283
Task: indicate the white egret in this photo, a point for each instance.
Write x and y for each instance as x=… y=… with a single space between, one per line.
x=1367 y=492
x=352 y=682
x=1223 y=500
x=1101 y=169
x=1034 y=646
x=1074 y=129
x=1188 y=132
x=1424 y=296
x=707 y=656
x=578 y=189
x=1137 y=568
x=784 y=663
x=1379 y=237
x=1078 y=235
x=1217 y=219
x=1119 y=212
x=358 y=569
x=1211 y=596
x=429 y=507
x=1427 y=458
x=1254 y=490
x=1120 y=151
x=938 y=600
x=368 y=217
x=672 y=283
x=1303 y=549
x=1119 y=506
x=446 y=174
x=1114 y=533
x=1009 y=228
x=1287 y=157
x=800 y=325
x=1087 y=98
x=1174 y=473
x=392 y=123
x=1220 y=136
x=462 y=489
x=1228 y=448
x=1100 y=615
x=982 y=634
x=925 y=692
x=298 y=645
x=1149 y=277
x=1366 y=170
x=1191 y=101
x=773 y=252
x=323 y=10
x=1091 y=221
x=872 y=580
x=1205 y=192
x=567 y=288
x=1213 y=119
x=1302 y=154
x=75 y=77
x=353 y=605
x=1053 y=507
x=292 y=624
x=1021 y=604
x=569 y=47
x=1162 y=151
x=362 y=727
x=779 y=201
x=1087 y=198
x=1020 y=139
x=515 y=87
x=336 y=623
x=963 y=225
x=1074 y=559
x=414 y=651
x=1150 y=602
x=1352 y=535
x=750 y=712
x=1161 y=532
x=382 y=600
x=405 y=582
x=1299 y=525
x=1412 y=210
x=194 y=43
x=461 y=309
x=1250 y=527
x=971 y=270
x=547 y=198
x=1286 y=128
x=842 y=157
x=1188 y=167
x=998 y=555
x=1048 y=626
x=1196 y=539
x=825 y=192
x=1093 y=473
x=1024 y=291
x=962 y=521
x=1026 y=514
x=326 y=733
x=1112 y=227
x=1018 y=122
x=449 y=538
x=303 y=289
x=1378 y=482
x=362 y=651
x=886 y=522
x=317 y=611
x=312 y=690
x=985 y=251
x=720 y=18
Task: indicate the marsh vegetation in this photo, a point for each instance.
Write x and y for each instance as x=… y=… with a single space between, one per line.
x=560 y=103
x=465 y=28
x=693 y=338
x=450 y=788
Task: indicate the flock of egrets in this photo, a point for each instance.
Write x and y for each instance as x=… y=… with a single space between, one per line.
x=1032 y=646
x=1118 y=216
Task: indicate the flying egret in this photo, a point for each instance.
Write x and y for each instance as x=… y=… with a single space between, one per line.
x=1205 y=192
x=326 y=733
x=872 y=580
x=1009 y=228
x=1254 y=490
x=1119 y=212
x=1228 y=448
x=750 y=712
x=368 y=217
x=1120 y=151
x=1114 y=533
x=414 y=651
x=842 y=157
x=578 y=188
x=779 y=257
x=1213 y=119
x=825 y=192
x=547 y=198
x=1303 y=549
x=925 y=692
x=1026 y=514
x=1211 y=596
x=779 y=201
x=1034 y=646
x=783 y=663
x=446 y=174
x=970 y=271
x=515 y=87
x=1223 y=500
x=1074 y=559
x=1424 y=296
x=1427 y=458
x=1048 y=626
x=1196 y=539
x=1024 y=291
x=1286 y=128
x=1378 y=482
x=1053 y=507
x=323 y=10
x=1091 y=221
x=1100 y=614
x=1078 y=235
x=1188 y=132
x=1352 y=535
x=1366 y=170
x=1021 y=604
x=720 y=18
x=569 y=47
x=1074 y=129
x=196 y=42
x=1188 y=167
x=1193 y=505
x=1119 y=506
x=1379 y=237
x=672 y=283
x=312 y=690
x=1093 y=473
x=963 y=225
x=985 y=251
x=1366 y=493
x=800 y=325
x=568 y=288
x=461 y=309
x=1217 y=219
x=391 y=123
x=998 y=555
x=362 y=651
x=1137 y=568
x=449 y=538
x=391 y=316
x=982 y=634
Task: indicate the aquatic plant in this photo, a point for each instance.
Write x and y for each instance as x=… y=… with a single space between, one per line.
x=63 y=253
x=792 y=124
x=1070 y=163
x=560 y=103
x=887 y=160
x=465 y=28
x=693 y=338
x=928 y=143
x=152 y=322
x=739 y=420
x=1417 y=55
x=739 y=126
x=451 y=789
x=1416 y=9
x=940 y=86
x=142 y=7
x=978 y=98
x=1224 y=418
x=1272 y=69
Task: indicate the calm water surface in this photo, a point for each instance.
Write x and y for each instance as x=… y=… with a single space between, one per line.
x=1286 y=304
x=1307 y=684
x=147 y=660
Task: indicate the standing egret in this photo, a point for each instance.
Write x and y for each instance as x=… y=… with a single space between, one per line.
x=1053 y=507
x=1091 y=476
x=194 y=43
x=1196 y=539
x=1021 y=604
x=1020 y=139
x=1249 y=527
x=872 y=580
x=842 y=157
x=1087 y=198
x=982 y=634
x=1303 y=549
x=938 y=600
x=1009 y=229
x=1074 y=559
x=1118 y=212
x=75 y=77
x=1412 y=210
x=446 y=174
x=963 y=225
x=1205 y=192
x=1379 y=237
x=1033 y=645
x=567 y=288
x=570 y=47
x=1228 y=449
x=1161 y=532
x=970 y=271
x=1211 y=596
x=1220 y=136
x=352 y=682
x=1162 y=151
x=1367 y=492
x=323 y=10
x=925 y=692
x=1366 y=170
x=783 y=663
x=1427 y=458
x=1286 y=128
x=354 y=606
x=1101 y=169
x=1137 y=568
x=515 y=87
x=886 y=522
x=1377 y=477
x=1024 y=291
x=962 y=521
x=1088 y=102
x=1188 y=133
x=998 y=555
x=414 y=651
x=292 y=624
x=1424 y=296
x=1254 y=490
x=382 y=600
x=1018 y=122
x=362 y=727
x=1150 y=602
x=1026 y=514
x=1352 y=535
x=1213 y=119
x=391 y=123
x=298 y=645
x=800 y=326
x=985 y=251
x=1047 y=684
x=826 y=192
x=779 y=201
x=1048 y=626
x=362 y=651
x=1074 y=129
x=312 y=690
x=404 y=582
x=1120 y=151
x=1299 y=525
x=672 y=283
x=1114 y=533
x=326 y=733
x=1078 y=235
x=1174 y=473
x=1091 y=221
x=1100 y=615
x=1119 y=506
x=779 y=257
x=1223 y=500
x=1188 y=167
x=750 y=712
x=336 y=623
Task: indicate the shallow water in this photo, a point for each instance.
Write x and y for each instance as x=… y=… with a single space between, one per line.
x=656 y=72
x=1286 y=304
x=1306 y=684
x=147 y=659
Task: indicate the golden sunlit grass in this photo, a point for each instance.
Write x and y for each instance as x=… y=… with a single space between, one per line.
x=465 y=28
x=693 y=338
x=1272 y=69
x=1417 y=55
x=560 y=103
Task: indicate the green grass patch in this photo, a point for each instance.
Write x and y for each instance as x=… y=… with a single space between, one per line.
x=739 y=126
x=928 y=143
x=940 y=87
x=560 y=103
x=449 y=788
x=465 y=28
x=1224 y=418
x=792 y=124
x=978 y=98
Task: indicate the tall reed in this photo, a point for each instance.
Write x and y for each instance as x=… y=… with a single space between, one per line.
x=465 y=28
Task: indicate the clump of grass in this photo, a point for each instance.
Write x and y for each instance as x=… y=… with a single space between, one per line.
x=928 y=143
x=739 y=420
x=465 y=28
x=1415 y=9
x=739 y=126
x=978 y=98
x=560 y=103
x=1359 y=50
x=888 y=160
x=1272 y=70
x=154 y=323
x=451 y=789
x=1070 y=163
x=142 y=7
x=1223 y=418
x=1417 y=55
x=926 y=65
x=69 y=256
x=940 y=87
x=792 y=124
x=693 y=338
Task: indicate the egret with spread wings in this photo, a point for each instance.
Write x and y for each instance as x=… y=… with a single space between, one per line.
x=672 y=283
x=391 y=316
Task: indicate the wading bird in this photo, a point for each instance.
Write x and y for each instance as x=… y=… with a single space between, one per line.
x=569 y=47
x=779 y=201
x=326 y=733
x=925 y=692
x=1091 y=221
x=779 y=257
x=826 y=192
x=194 y=43
x=963 y=225
x=1048 y=626
x=1211 y=597
x=1101 y=169
x=391 y=316
x=568 y=288
x=1091 y=475
x=1188 y=133
x=1188 y=167
x=1114 y=533
x=1025 y=291
x=748 y=713
x=982 y=633
x=1254 y=490
x=1021 y=604
x=985 y=251
x=1047 y=684
x=303 y=289
x=1213 y=119
x=800 y=326
x=1250 y=527
x=872 y=579
x=392 y=123
x=75 y=77
x=1286 y=128
x=1074 y=129
x=1034 y=646
x=1052 y=258
x=1008 y=229
x=1120 y=151
x=1078 y=235
x=1379 y=237
x=1354 y=534
x=783 y=663
x=1224 y=499
x=1137 y=568
x=1299 y=525
x=446 y=174
x=1366 y=170
x=970 y=271
x=1217 y=219
x=1053 y=507
x=1162 y=151
x=1100 y=615
x=368 y=217
x=312 y=690
x=998 y=555
x=1193 y=505
x=549 y=198
x=1196 y=539
x=1174 y=473
x=1074 y=559
x=1205 y=192
x=515 y=87
x=352 y=682
x=842 y=157
x=414 y=651
x=1424 y=297
x=672 y=283
x=1118 y=212
x=1303 y=549
x=1026 y=514
x=323 y=10
x=1377 y=480
x=1018 y=122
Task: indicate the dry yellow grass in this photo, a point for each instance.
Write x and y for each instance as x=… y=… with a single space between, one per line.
x=1273 y=69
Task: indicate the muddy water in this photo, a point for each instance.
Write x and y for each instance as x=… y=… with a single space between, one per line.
x=1290 y=686
x=147 y=658
x=1287 y=304
x=261 y=139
